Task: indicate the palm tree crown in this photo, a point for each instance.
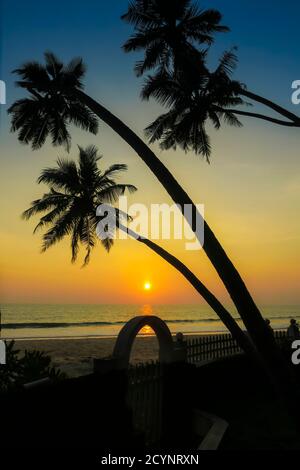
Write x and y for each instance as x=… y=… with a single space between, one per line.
x=167 y=29
x=170 y=33
x=75 y=192
x=52 y=104
x=192 y=100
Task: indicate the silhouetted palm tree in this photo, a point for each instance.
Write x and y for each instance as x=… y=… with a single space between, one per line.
x=70 y=210
x=76 y=190
x=169 y=32
x=51 y=107
x=192 y=101
x=166 y=29
x=39 y=88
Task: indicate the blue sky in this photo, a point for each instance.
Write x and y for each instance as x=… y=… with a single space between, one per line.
x=266 y=32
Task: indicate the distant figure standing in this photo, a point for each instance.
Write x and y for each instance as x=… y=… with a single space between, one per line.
x=180 y=347
x=268 y=323
x=179 y=338
x=293 y=330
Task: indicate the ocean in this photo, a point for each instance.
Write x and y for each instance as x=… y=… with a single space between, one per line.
x=26 y=321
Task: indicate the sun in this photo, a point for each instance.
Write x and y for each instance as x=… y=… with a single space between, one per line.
x=147 y=286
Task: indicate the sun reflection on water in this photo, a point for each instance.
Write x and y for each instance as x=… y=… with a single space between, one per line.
x=146 y=310
x=146 y=330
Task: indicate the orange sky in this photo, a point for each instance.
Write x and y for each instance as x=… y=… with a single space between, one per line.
x=252 y=201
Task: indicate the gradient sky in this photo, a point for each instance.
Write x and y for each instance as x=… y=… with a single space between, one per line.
x=251 y=189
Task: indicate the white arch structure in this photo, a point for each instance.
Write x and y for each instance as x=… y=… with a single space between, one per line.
x=129 y=331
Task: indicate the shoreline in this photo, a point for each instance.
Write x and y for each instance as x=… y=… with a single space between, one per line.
x=114 y=337
x=75 y=356
x=91 y=337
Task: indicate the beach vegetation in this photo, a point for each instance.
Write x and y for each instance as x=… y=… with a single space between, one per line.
x=26 y=367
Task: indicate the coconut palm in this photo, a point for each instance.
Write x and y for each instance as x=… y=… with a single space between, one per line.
x=169 y=33
x=192 y=101
x=70 y=209
x=195 y=99
x=51 y=107
x=32 y=78
x=75 y=191
x=166 y=29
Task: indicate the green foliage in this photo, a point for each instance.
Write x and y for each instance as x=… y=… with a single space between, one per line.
x=21 y=369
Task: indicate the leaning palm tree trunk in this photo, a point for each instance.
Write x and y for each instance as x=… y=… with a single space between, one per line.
x=263 y=117
x=270 y=104
x=231 y=278
x=230 y=323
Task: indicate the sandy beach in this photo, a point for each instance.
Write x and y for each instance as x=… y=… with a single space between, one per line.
x=75 y=356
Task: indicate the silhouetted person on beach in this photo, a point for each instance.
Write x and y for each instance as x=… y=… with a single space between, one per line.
x=293 y=330
x=179 y=338
x=268 y=323
x=181 y=347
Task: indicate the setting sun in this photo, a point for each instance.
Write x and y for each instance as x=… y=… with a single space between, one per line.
x=147 y=286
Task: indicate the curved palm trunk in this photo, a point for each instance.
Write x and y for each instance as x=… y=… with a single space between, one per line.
x=280 y=122
x=231 y=278
x=208 y=296
x=270 y=104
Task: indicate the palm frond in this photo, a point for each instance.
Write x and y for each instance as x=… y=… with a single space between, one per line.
x=49 y=201
x=34 y=75
x=166 y=29
x=62 y=227
x=87 y=237
x=76 y=68
x=140 y=14
x=75 y=192
x=75 y=239
x=82 y=117
x=59 y=133
x=53 y=65
x=52 y=104
x=112 y=193
x=231 y=119
x=64 y=176
x=161 y=125
x=197 y=21
x=153 y=55
x=227 y=63
x=52 y=216
x=112 y=171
